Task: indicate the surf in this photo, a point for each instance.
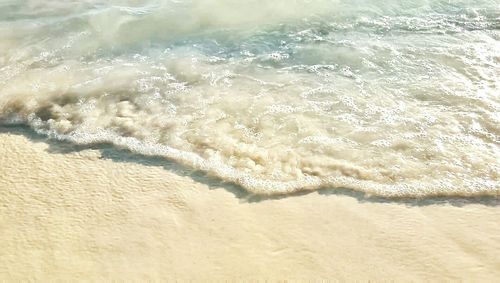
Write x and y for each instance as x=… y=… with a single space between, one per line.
x=396 y=99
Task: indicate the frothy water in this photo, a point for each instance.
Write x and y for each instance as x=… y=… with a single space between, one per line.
x=392 y=98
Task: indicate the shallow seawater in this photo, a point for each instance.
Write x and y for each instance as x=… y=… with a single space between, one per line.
x=392 y=98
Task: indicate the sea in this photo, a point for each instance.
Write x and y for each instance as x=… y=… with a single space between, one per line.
x=393 y=98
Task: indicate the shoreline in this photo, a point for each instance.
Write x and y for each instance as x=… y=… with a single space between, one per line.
x=83 y=215
x=117 y=154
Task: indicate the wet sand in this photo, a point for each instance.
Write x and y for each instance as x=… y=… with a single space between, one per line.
x=98 y=214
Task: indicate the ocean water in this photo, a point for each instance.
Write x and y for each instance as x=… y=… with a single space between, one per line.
x=391 y=98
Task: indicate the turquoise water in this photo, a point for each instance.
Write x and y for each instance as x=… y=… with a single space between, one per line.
x=392 y=98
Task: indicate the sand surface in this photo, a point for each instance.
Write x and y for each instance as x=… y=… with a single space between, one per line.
x=91 y=214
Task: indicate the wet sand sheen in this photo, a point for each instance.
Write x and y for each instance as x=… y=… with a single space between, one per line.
x=77 y=216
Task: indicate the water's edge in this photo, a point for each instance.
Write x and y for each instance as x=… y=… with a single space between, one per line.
x=108 y=151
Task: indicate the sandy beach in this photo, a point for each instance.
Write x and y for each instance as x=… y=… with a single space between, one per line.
x=102 y=214
x=232 y=140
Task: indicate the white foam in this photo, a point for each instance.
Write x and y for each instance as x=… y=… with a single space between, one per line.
x=277 y=105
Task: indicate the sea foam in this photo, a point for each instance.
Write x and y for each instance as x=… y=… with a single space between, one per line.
x=397 y=99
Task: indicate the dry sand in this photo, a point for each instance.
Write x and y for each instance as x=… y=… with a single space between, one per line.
x=88 y=215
